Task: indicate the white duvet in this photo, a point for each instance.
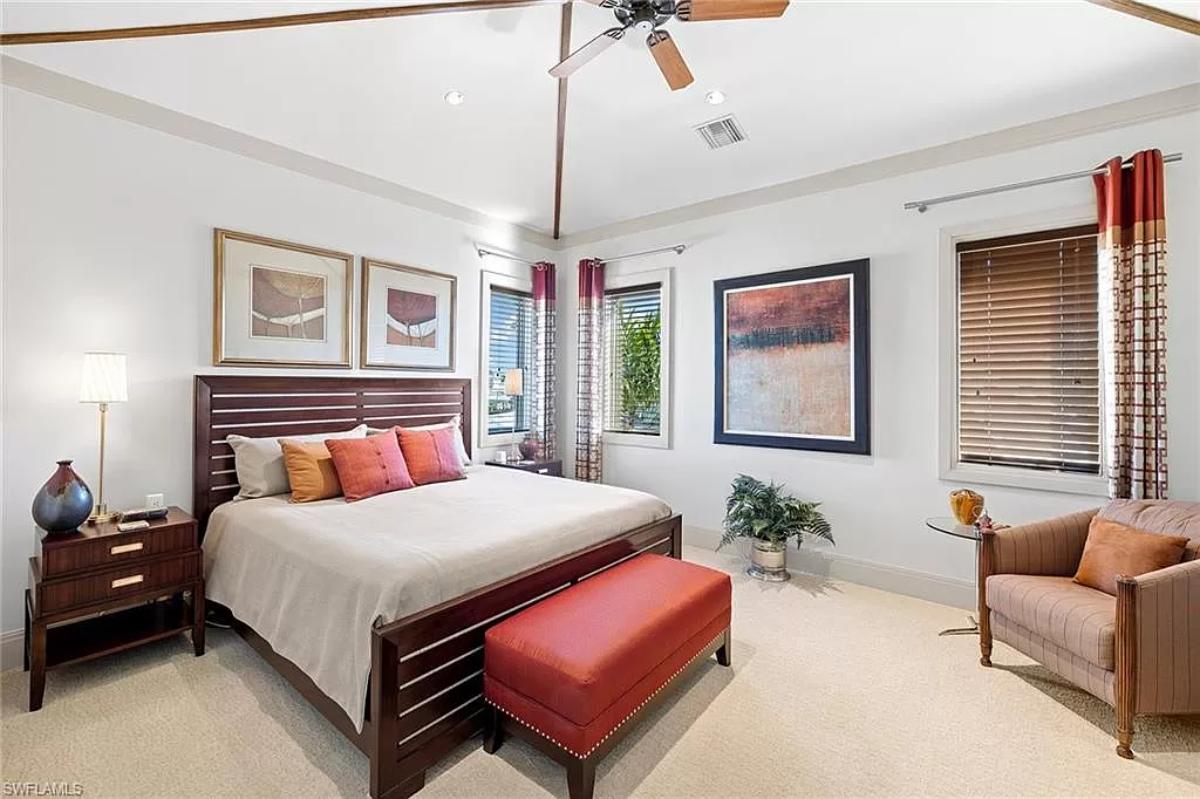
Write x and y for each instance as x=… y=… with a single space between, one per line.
x=312 y=578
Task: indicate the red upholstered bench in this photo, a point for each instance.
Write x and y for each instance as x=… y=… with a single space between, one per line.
x=572 y=674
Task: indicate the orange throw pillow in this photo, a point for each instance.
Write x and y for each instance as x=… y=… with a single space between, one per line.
x=1114 y=549
x=432 y=455
x=369 y=466
x=310 y=470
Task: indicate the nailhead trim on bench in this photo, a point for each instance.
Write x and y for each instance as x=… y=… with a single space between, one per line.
x=617 y=726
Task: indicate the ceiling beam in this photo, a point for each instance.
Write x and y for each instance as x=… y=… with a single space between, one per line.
x=564 y=49
x=258 y=23
x=1152 y=14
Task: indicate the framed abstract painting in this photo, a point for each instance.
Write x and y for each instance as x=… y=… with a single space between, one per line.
x=408 y=317
x=792 y=359
x=276 y=303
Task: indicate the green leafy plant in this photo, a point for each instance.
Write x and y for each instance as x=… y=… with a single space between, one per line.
x=765 y=511
x=640 y=356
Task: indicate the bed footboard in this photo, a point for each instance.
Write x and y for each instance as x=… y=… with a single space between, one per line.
x=426 y=693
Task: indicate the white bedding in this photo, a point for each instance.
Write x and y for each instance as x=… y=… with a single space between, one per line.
x=312 y=578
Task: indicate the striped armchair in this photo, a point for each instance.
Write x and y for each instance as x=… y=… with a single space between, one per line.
x=1138 y=651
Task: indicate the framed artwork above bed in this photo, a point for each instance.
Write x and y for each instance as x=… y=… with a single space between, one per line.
x=792 y=359
x=408 y=317
x=276 y=303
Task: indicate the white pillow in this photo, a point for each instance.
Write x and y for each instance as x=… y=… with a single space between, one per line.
x=261 y=470
x=456 y=423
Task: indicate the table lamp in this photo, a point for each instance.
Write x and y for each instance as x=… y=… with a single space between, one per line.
x=514 y=386
x=103 y=381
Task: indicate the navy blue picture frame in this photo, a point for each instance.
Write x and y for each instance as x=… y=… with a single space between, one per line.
x=860 y=275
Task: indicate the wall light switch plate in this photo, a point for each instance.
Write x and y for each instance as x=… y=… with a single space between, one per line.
x=154 y=501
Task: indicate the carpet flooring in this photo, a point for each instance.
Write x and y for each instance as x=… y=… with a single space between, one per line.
x=836 y=690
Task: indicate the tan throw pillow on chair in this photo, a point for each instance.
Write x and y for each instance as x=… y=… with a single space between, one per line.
x=1114 y=549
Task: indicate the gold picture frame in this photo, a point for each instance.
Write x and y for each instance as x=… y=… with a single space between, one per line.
x=314 y=335
x=425 y=349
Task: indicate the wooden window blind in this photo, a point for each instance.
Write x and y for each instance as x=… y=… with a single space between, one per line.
x=510 y=346
x=1028 y=351
x=632 y=360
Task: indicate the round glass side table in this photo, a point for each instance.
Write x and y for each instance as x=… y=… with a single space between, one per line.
x=950 y=526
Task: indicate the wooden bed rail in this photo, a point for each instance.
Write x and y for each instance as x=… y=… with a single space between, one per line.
x=426 y=695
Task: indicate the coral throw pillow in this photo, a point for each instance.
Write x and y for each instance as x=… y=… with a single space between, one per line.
x=369 y=466
x=1114 y=549
x=432 y=455
x=310 y=470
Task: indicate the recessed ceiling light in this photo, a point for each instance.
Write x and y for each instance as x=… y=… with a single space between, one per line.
x=715 y=97
x=454 y=98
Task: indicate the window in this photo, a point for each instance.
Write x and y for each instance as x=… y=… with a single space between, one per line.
x=636 y=347
x=1028 y=371
x=507 y=344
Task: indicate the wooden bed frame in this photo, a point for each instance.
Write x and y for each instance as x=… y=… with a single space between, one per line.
x=426 y=689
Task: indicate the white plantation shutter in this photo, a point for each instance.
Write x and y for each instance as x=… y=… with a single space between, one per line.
x=1028 y=351
x=510 y=346
x=626 y=312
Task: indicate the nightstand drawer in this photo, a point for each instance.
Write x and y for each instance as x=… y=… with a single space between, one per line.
x=133 y=578
x=115 y=550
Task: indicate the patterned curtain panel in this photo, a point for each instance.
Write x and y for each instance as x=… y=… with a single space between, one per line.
x=1133 y=324
x=543 y=405
x=589 y=405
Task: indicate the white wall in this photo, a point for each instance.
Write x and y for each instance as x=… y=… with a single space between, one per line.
x=878 y=503
x=108 y=245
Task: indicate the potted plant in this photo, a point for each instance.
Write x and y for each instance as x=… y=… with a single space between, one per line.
x=768 y=515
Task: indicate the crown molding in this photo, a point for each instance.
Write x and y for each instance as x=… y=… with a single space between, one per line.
x=45 y=82
x=55 y=85
x=1173 y=102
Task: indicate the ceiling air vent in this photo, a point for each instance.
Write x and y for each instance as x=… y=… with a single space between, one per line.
x=721 y=132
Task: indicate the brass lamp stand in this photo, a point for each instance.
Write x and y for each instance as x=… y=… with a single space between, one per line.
x=104 y=381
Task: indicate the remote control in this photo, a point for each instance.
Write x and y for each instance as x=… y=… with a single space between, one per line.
x=137 y=514
x=128 y=527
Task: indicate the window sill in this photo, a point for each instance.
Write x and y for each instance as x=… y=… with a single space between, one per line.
x=633 y=440
x=502 y=439
x=1091 y=485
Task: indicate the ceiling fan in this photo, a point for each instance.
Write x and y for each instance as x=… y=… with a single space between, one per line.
x=649 y=16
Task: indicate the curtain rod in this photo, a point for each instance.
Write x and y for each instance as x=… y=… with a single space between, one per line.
x=482 y=251
x=923 y=205
x=677 y=249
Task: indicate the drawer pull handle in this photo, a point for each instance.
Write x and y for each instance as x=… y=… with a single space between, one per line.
x=121 y=582
x=543 y=471
x=123 y=548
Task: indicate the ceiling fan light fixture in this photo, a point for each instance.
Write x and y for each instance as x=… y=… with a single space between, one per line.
x=715 y=97
x=454 y=97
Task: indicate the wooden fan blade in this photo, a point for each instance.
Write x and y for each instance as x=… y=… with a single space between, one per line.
x=708 y=10
x=586 y=53
x=1152 y=14
x=667 y=56
x=320 y=17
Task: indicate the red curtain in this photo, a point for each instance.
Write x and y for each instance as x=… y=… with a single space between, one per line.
x=1133 y=323
x=543 y=406
x=589 y=403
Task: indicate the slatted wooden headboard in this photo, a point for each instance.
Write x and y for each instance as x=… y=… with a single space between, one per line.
x=255 y=405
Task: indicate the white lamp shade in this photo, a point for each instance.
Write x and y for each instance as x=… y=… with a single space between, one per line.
x=103 y=377
x=514 y=382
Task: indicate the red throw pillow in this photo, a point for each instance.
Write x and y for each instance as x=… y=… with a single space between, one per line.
x=432 y=455
x=369 y=466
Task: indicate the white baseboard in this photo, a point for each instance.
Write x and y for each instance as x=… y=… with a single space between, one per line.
x=898 y=580
x=11 y=643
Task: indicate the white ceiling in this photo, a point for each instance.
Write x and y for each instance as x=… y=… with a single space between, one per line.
x=828 y=85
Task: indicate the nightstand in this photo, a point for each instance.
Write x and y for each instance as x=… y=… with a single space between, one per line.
x=96 y=591
x=549 y=468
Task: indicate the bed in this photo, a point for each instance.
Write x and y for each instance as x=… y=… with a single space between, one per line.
x=409 y=606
